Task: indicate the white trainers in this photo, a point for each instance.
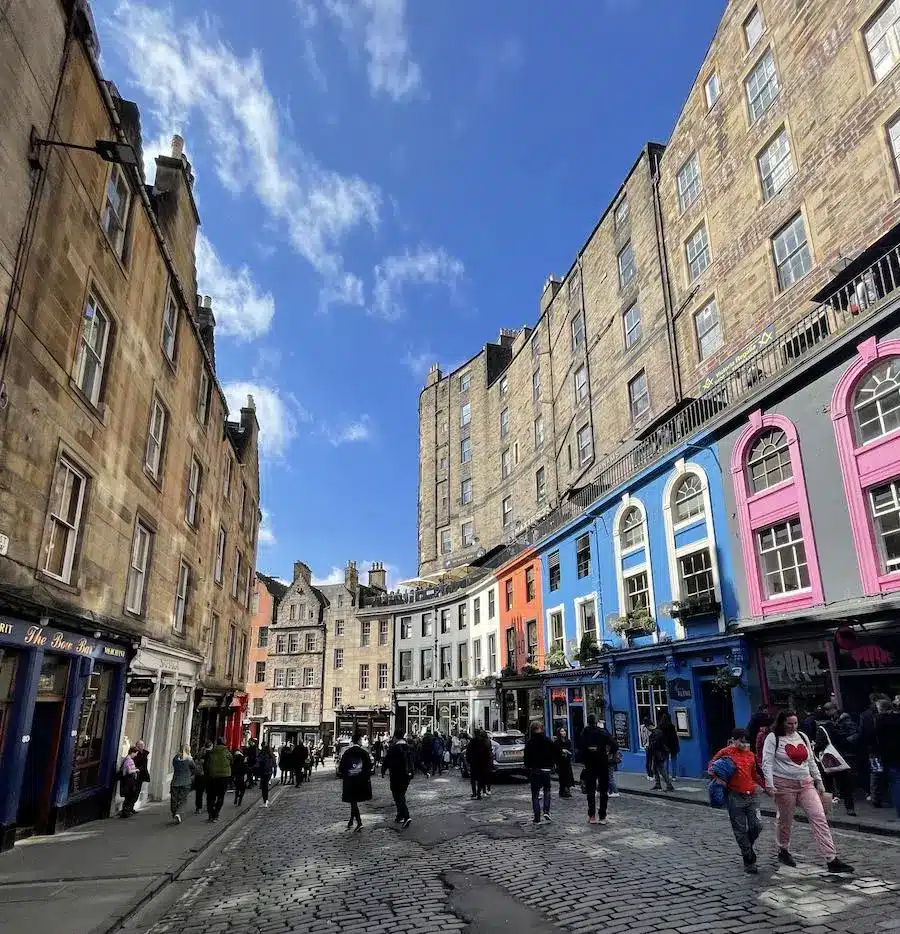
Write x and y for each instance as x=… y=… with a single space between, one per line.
x=614 y=794
x=265 y=804
x=177 y=818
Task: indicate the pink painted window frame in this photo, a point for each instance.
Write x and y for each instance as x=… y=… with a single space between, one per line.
x=759 y=510
x=865 y=466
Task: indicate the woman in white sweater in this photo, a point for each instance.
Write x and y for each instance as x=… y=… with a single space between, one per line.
x=792 y=776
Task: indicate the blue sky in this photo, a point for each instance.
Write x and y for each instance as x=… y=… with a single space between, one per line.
x=383 y=184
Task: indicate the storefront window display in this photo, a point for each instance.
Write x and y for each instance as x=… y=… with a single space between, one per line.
x=419 y=717
x=797 y=675
x=453 y=715
x=88 y=755
x=9 y=666
x=866 y=662
x=651 y=698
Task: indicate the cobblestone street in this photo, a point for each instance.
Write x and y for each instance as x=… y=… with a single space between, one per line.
x=657 y=866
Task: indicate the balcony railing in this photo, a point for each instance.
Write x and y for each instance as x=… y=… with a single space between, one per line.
x=862 y=295
x=421 y=594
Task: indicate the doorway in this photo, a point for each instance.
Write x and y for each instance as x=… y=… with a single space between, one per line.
x=718 y=714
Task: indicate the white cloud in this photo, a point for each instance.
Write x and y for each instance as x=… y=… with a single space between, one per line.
x=279 y=417
x=192 y=77
x=424 y=266
x=240 y=308
x=336 y=574
x=418 y=362
x=349 y=432
x=380 y=27
x=266 y=534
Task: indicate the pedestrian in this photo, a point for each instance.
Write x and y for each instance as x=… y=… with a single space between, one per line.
x=378 y=750
x=301 y=755
x=455 y=749
x=742 y=803
x=540 y=756
x=657 y=758
x=183 y=772
x=355 y=768
x=284 y=754
x=251 y=753
x=200 y=777
x=239 y=776
x=792 y=776
x=479 y=756
x=644 y=730
x=887 y=742
x=399 y=762
x=129 y=783
x=265 y=769
x=142 y=763
x=564 y=762
x=437 y=754
x=761 y=720
x=838 y=728
x=598 y=748
x=426 y=750
x=217 y=769
x=671 y=742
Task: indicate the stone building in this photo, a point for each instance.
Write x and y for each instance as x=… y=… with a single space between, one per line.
x=128 y=498
x=779 y=182
x=267 y=595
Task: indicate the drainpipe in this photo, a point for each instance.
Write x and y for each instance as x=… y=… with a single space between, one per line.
x=602 y=616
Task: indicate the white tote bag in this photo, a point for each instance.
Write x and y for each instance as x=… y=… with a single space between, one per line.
x=830 y=760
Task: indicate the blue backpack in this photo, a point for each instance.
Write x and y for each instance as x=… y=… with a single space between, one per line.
x=723 y=769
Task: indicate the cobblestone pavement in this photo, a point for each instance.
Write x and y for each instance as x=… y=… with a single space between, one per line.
x=483 y=867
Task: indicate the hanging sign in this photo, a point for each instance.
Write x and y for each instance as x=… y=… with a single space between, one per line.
x=140 y=687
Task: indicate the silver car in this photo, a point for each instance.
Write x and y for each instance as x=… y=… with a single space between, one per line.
x=508 y=751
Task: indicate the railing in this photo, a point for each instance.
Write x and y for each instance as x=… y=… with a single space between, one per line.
x=421 y=594
x=861 y=296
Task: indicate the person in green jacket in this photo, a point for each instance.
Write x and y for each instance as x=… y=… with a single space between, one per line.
x=217 y=770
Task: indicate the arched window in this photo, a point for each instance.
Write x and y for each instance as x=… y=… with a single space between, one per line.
x=876 y=404
x=769 y=461
x=688 y=499
x=631 y=529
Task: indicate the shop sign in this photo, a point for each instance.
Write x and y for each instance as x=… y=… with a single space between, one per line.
x=734 y=362
x=680 y=689
x=620 y=729
x=50 y=639
x=872 y=652
x=140 y=687
x=795 y=665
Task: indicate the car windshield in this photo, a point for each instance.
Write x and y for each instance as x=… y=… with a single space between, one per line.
x=507 y=740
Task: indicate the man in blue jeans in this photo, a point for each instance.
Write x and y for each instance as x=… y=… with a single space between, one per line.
x=887 y=744
x=540 y=755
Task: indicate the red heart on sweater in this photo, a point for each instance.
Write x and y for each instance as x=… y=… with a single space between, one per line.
x=797 y=754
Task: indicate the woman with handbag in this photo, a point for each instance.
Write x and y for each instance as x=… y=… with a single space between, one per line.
x=837 y=743
x=793 y=778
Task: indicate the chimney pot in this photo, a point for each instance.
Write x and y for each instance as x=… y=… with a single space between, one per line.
x=177 y=146
x=207 y=301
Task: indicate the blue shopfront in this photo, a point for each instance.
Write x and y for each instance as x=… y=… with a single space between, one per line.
x=61 y=701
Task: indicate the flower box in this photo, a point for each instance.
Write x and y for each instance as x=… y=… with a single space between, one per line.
x=694 y=607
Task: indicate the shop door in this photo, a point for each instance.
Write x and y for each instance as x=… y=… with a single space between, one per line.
x=577 y=715
x=718 y=714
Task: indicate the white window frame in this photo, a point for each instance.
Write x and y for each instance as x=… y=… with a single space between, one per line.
x=776 y=164
x=627 y=270
x=492 y=653
x=203 y=392
x=114 y=219
x=585 y=451
x=782 y=449
x=384 y=681
x=465 y=414
x=878 y=401
x=465 y=450
x=620 y=213
x=156 y=438
x=634 y=398
x=445 y=541
x=309 y=677
x=689 y=182
x=337 y=696
x=280 y=678
x=194 y=481
x=589 y=599
x=465 y=491
x=712 y=88
x=646 y=565
x=468 y=538
x=887 y=565
x=309 y=642
x=631 y=323
x=236 y=575
x=894 y=141
x=226 y=482
x=536 y=385
x=64 y=477
x=504 y=385
x=560 y=611
x=703 y=329
x=696 y=496
x=477 y=661
x=138 y=568
x=89 y=351
x=181 y=597
x=580 y=383
x=506 y=514
x=365 y=633
x=579 y=331
x=539 y=432
x=762 y=85
x=411 y=672
x=504 y=423
x=338 y=659
x=169 y=337
x=384 y=632
x=281 y=643
x=293 y=645
x=221 y=545
x=884 y=29
x=759 y=552
x=464 y=382
x=364 y=676
x=305 y=711
x=540 y=483
x=754 y=27
x=697 y=253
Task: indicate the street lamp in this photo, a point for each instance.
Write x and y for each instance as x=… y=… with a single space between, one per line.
x=108 y=150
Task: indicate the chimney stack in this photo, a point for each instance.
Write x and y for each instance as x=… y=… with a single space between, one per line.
x=351 y=577
x=377 y=576
x=434 y=375
x=302 y=570
x=206 y=322
x=177 y=146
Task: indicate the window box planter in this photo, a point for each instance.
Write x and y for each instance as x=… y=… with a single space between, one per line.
x=694 y=607
x=725 y=680
x=640 y=623
x=555 y=661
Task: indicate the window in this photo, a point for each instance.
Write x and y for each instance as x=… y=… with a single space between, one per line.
x=696 y=575
x=365 y=632
x=226 y=481
x=476 y=611
x=583 y=555
x=262 y=640
x=406 y=673
x=769 y=461
x=505 y=464
x=540 y=486
x=638 y=396
x=775 y=165
x=476 y=658
x=508 y=587
x=535 y=345
x=553 y=572
x=428 y=624
x=426 y=660
x=114 y=219
x=156 y=437
x=339 y=626
x=170 y=326
x=620 y=214
x=688 y=498
x=467 y=531
x=305 y=712
x=288 y=714
x=364 y=677
x=708 y=329
x=492 y=652
x=753 y=28
x=894 y=134
x=236 y=573
x=443 y=463
x=539 y=432
x=557 y=632
x=650 y=699
x=293 y=642
x=536 y=385
x=587 y=618
x=91 y=360
x=276 y=713
x=445 y=541
x=464 y=381
x=382 y=676
x=689 y=183
x=281 y=644
x=446 y=661
x=632 y=324
x=507 y=510
x=627 y=268
x=193 y=497
x=465 y=414
x=307 y=677
x=242 y=518
x=254 y=604
x=783 y=556
x=310 y=642
x=529 y=585
x=504 y=423
x=876 y=403
x=232 y=649
x=581 y=384
x=203 y=391
x=66 y=507
x=631 y=529
x=762 y=86
x=713 y=89
x=292 y=612
x=181 y=597
x=697 y=252
x=257 y=707
x=492 y=608
x=577 y=331
x=280 y=677
x=637 y=593
x=405 y=627
x=504 y=385
x=465 y=492
x=462 y=661
x=883 y=39
x=221 y=540
x=260 y=674
x=585 y=445
x=137 y=569
x=383 y=631
x=465 y=450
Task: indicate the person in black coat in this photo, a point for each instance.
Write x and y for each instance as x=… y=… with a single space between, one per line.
x=597 y=747
x=540 y=757
x=239 y=775
x=671 y=742
x=564 y=762
x=355 y=768
x=479 y=755
x=400 y=763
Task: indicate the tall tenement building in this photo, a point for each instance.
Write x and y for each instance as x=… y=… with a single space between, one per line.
x=129 y=494
x=781 y=170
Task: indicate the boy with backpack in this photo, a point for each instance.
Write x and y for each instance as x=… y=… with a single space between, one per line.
x=743 y=809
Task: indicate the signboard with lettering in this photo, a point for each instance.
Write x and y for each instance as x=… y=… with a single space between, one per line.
x=140 y=687
x=620 y=729
x=724 y=370
x=50 y=639
x=680 y=689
